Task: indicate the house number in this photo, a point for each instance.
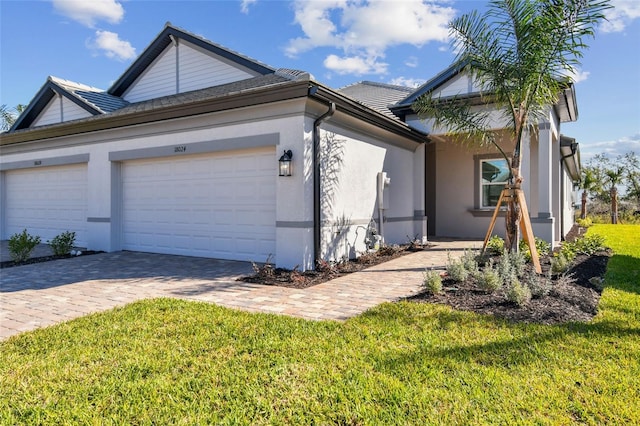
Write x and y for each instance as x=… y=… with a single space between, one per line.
x=181 y=148
x=37 y=163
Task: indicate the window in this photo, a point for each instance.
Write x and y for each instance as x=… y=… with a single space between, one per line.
x=494 y=174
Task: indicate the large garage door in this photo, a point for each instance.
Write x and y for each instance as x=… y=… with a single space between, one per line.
x=47 y=201
x=216 y=205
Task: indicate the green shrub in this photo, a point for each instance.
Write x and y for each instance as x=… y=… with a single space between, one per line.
x=585 y=223
x=539 y=285
x=432 y=281
x=456 y=270
x=518 y=294
x=542 y=247
x=559 y=264
x=469 y=261
x=21 y=245
x=489 y=280
x=495 y=245
x=63 y=243
x=587 y=245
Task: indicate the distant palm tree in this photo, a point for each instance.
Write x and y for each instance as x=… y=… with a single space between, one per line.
x=615 y=177
x=589 y=183
x=520 y=52
x=8 y=116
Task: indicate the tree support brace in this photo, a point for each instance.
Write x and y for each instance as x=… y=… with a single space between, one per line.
x=514 y=193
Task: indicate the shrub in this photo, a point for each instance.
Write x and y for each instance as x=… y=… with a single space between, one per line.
x=559 y=264
x=456 y=270
x=589 y=244
x=542 y=247
x=539 y=285
x=511 y=266
x=21 y=245
x=63 y=243
x=518 y=293
x=584 y=223
x=469 y=261
x=432 y=281
x=495 y=245
x=489 y=280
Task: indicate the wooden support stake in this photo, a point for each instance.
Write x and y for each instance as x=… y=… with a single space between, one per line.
x=525 y=223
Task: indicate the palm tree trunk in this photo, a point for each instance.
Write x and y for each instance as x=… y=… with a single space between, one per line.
x=614 y=205
x=514 y=211
x=583 y=210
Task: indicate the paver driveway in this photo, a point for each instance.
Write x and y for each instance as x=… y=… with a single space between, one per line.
x=42 y=294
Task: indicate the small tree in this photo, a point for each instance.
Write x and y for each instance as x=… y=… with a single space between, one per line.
x=520 y=52
x=615 y=177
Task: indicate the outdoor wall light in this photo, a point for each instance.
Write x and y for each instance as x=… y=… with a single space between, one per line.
x=285 y=163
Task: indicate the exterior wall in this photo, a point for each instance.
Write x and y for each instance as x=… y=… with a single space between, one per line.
x=181 y=68
x=159 y=79
x=351 y=163
x=215 y=132
x=51 y=114
x=199 y=69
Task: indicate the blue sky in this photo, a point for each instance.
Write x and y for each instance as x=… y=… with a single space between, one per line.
x=338 y=41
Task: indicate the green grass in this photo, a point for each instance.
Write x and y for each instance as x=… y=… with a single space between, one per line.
x=175 y=362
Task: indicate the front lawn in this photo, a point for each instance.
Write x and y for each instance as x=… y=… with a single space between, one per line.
x=175 y=362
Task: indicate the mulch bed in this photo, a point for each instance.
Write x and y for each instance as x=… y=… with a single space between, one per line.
x=11 y=263
x=572 y=298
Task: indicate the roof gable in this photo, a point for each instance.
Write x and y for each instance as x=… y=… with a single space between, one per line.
x=163 y=48
x=90 y=99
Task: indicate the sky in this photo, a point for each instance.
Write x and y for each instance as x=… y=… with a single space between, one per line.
x=340 y=42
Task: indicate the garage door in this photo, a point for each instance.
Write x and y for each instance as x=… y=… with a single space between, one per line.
x=47 y=201
x=216 y=205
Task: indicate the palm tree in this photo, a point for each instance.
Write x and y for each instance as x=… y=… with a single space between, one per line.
x=520 y=52
x=8 y=116
x=615 y=177
x=589 y=183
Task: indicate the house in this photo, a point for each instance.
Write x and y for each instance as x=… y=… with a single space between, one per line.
x=182 y=155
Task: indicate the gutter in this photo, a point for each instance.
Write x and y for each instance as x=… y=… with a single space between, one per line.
x=574 y=150
x=317 y=227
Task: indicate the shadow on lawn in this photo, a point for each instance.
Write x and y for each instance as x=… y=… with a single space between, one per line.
x=623 y=273
x=531 y=345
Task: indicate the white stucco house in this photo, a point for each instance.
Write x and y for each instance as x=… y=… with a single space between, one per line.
x=181 y=156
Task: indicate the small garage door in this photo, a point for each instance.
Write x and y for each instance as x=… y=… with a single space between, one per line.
x=47 y=201
x=218 y=205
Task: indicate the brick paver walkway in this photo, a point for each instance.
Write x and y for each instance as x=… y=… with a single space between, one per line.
x=43 y=294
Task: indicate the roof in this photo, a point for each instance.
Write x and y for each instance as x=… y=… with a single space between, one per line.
x=378 y=96
x=166 y=37
x=91 y=99
x=570 y=152
x=566 y=108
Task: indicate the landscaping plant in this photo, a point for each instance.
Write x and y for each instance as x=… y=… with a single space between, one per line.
x=63 y=243
x=21 y=245
x=432 y=281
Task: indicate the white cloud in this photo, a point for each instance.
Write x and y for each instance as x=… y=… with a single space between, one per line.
x=577 y=75
x=408 y=82
x=244 y=6
x=411 y=62
x=610 y=149
x=87 y=12
x=355 y=65
x=363 y=30
x=111 y=45
x=621 y=15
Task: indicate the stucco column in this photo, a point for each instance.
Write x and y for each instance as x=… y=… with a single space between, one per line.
x=543 y=224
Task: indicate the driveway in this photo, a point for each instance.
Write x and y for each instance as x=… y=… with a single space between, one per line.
x=42 y=294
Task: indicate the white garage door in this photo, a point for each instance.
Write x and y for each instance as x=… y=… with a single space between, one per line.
x=47 y=201
x=215 y=205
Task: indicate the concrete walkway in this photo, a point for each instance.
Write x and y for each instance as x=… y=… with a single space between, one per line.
x=42 y=294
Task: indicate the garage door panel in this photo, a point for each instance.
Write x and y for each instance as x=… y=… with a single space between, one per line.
x=47 y=201
x=216 y=205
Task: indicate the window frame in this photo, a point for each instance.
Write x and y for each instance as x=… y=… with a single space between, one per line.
x=478 y=184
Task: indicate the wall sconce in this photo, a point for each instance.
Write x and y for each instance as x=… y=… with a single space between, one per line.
x=285 y=163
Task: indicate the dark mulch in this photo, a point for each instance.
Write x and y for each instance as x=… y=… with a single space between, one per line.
x=268 y=275
x=572 y=298
x=11 y=263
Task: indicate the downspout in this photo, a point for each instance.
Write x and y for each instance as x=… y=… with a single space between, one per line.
x=574 y=146
x=317 y=227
